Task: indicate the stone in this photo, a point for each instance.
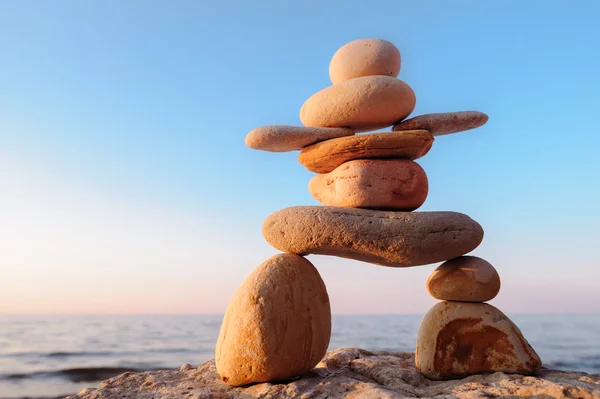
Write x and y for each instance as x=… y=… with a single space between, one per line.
x=391 y=184
x=281 y=138
x=458 y=339
x=350 y=373
x=328 y=155
x=395 y=239
x=361 y=104
x=466 y=278
x=277 y=325
x=364 y=57
x=444 y=123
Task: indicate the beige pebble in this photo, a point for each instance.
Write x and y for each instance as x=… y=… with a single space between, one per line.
x=281 y=138
x=459 y=339
x=466 y=278
x=444 y=123
x=277 y=325
x=326 y=156
x=361 y=104
x=364 y=57
x=395 y=239
x=391 y=184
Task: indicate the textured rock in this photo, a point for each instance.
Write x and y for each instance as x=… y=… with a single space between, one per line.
x=458 y=339
x=328 y=155
x=281 y=138
x=444 y=123
x=361 y=104
x=277 y=325
x=466 y=278
x=395 y=239
x=392 y=184
x=349 y=373
x=364 y=57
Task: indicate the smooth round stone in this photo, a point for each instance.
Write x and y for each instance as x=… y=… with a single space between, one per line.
x=361 y=104
x=459 y=339
x=281 y=138
x=277 y=325
x=364 y=57
x=466 y=278
x=444 y=123
x=395 y=239
x=392 y=184
x=326 y=156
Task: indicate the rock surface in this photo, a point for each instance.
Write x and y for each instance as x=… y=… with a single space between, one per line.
x=444 y=123
x=361 y=104
x=458 y=339
x=277 y=325
x=348 y=373
x=391 y=184
x=364 y=57
x=395 y=239
x=282 y=138
x=466 y=278
x=328 y=155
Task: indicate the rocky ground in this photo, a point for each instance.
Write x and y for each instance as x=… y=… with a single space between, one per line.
x=349 y=373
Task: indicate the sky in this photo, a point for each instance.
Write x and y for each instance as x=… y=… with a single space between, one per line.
x=126 y=187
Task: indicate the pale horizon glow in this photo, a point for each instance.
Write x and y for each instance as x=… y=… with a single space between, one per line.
x=126 y=188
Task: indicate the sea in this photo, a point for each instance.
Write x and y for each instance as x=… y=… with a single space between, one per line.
x=54 y=356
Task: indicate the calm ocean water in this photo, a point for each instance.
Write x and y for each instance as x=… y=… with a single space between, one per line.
x=54 y=356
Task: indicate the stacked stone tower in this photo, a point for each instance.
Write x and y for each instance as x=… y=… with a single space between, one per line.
x=278 y=324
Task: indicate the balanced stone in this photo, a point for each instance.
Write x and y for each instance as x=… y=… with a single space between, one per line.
x=277 y=325
x=361 y=104
x=395 y=239
x=444 y=123
x=281 y=138
x=466 y=278
x=326 y=156
x=393 y=184
x=364 y=57
x=458 y=339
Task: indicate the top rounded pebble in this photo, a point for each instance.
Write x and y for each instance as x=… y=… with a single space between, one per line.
x=364 y=57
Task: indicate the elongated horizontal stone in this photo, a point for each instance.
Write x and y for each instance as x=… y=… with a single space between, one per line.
x=282 y=138
x=326 y=156
x=444 y=123
x=395 y=239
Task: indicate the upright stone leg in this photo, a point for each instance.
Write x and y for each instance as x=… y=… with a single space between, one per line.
x=277 y=325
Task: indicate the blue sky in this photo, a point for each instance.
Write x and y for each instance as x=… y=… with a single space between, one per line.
x=125 y=185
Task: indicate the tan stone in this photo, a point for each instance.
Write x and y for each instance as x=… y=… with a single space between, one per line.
x=361 y=104
x=458 y=339
x=364 y=57
x=277 y=325
x=281 y=138
x=444 y=123
x=395 y=239
x=466 y=278
x=392 y=184
x=349 y=373
x=328 y=155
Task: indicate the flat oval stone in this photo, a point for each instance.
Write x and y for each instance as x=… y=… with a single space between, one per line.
x=466 y=278
x=392 y=184
x=364 y=57
x=326 y=156
x=361 y=104
x=444 y=123
x=459 y=339
x=395 y=239
x=278 y=324
x=281 y=138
